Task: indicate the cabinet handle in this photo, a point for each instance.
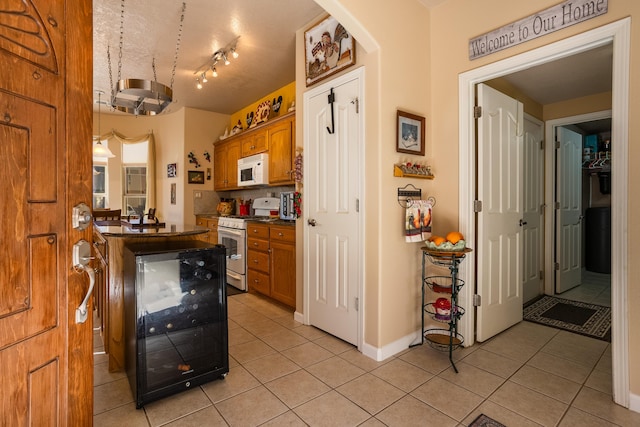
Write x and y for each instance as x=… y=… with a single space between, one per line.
x=280 y=234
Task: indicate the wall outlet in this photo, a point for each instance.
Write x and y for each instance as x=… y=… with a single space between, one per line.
x=269 y=194
x=198 y=194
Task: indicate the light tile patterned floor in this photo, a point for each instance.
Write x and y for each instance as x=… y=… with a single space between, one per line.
x=285 y=373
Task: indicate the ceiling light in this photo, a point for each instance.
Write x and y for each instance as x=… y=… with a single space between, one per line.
x=140 y=96
x=100 y=150
x=219 y=56
x=198 y=84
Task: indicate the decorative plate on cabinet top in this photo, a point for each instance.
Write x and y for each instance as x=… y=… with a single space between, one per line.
x=262 y=113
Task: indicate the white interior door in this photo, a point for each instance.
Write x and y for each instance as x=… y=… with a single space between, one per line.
x=500 y=189
x=533 y=225
x=569 y=213
x=331 y=191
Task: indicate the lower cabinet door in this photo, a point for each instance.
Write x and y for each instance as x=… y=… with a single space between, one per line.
x=258 y=281
x=283 y=273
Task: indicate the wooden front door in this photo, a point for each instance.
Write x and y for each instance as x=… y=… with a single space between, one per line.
x=45 y=170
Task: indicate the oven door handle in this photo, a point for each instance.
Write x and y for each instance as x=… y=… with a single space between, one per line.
x=233 y=275
x=231 y=231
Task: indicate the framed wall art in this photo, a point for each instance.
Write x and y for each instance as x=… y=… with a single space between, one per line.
x=195 y=177
x=328 y=49
x=173 y=193
x=172 y=170
x=410 y=133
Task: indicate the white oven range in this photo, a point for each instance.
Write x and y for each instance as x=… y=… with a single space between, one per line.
x=232 y=233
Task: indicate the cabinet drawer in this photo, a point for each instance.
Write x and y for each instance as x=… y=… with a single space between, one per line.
x=283 y=233
x=259 y=231
x=201 y=221
x=258 y=281
x=258 y=244
x=258 y=260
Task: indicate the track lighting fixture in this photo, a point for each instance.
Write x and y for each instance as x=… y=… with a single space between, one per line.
x=219 y=56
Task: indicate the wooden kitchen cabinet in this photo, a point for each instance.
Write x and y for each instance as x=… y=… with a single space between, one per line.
x=254 y=143
x=225 y=165
x=258 y=258
x=281 y=150
x=282 y=242
x=271 y=261
x=212 y=225
x=275 y=137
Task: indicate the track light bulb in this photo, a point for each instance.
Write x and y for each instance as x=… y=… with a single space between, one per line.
x=214 y=72
x=234 y=53
x=198 y=84
x=226 y=61
x=204 y=77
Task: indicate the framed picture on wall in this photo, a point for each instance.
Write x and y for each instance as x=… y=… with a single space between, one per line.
x=410 y=133
x=173 y=193
x=328 y=49
x=172 y=170
x=195 y=177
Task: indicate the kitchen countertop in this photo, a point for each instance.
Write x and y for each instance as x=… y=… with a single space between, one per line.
x=253 y=219
x=124 y=229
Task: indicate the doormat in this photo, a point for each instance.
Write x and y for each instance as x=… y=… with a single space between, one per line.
x=573 y=316
x=484 y=421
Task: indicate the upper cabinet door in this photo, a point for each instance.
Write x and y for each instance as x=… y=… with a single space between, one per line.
x=281 y=149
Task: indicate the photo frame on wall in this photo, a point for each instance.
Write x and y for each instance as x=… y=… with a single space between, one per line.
x=173 y=193
x=329 y=48
x=172 y=170
x=195 y=177
x=410 y=133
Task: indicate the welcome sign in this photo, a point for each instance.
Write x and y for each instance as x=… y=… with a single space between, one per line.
x=555 y=18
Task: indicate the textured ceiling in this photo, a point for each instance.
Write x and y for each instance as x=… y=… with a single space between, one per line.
x=265 y=30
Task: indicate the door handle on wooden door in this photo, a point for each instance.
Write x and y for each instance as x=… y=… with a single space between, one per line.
x=81 y=257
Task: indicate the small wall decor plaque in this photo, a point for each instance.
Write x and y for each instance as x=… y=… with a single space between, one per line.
x=195 y=177
x=172 y=170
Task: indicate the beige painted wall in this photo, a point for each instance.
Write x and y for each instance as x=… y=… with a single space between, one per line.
x=396 y=77
x=422 y=54
x=188 y=129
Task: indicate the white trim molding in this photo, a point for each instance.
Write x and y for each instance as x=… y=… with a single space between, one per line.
x=618 y=33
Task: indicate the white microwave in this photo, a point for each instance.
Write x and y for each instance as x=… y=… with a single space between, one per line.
x=253 y=170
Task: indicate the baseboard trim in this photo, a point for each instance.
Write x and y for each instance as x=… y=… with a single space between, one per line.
x=379 y=354
x=298 y=317
x=634 y=402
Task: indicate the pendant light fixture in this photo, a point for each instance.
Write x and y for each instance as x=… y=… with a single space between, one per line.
x=100 y=150
x=140 y=96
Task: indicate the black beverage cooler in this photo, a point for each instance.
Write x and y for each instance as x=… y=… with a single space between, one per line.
x=175 y=304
